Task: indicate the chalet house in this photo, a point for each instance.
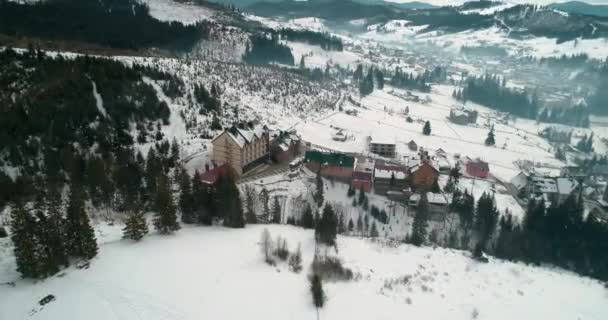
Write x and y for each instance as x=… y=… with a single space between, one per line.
x=463 y=116
x=285 y=146
x=412 y=145
x=554 y=190
x=438 y=204
x=363 y=174
x=382 y=146
x=389 y=177
x=332 y=165
x=424 y=175
x=477 y=168
x=241 y=149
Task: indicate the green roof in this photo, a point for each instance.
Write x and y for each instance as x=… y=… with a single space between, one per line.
x=336 y=159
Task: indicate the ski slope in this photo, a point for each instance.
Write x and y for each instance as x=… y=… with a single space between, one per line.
x=218 y=273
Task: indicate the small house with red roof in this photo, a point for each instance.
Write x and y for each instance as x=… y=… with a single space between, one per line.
x=477 y=168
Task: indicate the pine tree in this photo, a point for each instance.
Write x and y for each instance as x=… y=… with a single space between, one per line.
x=308 y=220
x=362 y=196
x=326 y=230
x=265 y=199
x=80 y=235
x=359 y=224
x=490 y=141
x=486 y=218
x=420 y=222
x=426 y=130
x=316 y=288
x=276 y=211
x=57 y=223
x=46 y=263
x=341 y=224
x=295 y=261
x=136 y=226
x=351 y=225
x=302 y=62
x=23 y=235
x=186 y=198
x=229 y=201
x=250 y=215
x=153 y=170
x=318 y=196
x=165 y=220
x=373 y=232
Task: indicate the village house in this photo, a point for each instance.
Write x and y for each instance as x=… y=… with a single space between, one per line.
x=363 y=174
x=554 y=190
x=412 y=145
x=331 y=165
x=389 y=177
x=382 y=146
x=285 y=146
x=212 y=174
x=477 y=168
x=438 y=204
x=424 y=175
x=463 y=116
x=241 y=149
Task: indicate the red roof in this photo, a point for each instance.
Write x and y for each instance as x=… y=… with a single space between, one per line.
x=211 y=176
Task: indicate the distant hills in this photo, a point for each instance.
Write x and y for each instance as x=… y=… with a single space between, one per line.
x=582 y=8
x=404 y=5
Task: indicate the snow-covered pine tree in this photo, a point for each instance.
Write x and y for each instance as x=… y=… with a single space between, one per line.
x=23 y=235
x=326 y=230
x=57 y=223
x=229 y=202
x=165 y=220
x=186 y=198
x=136 y=226
x=295 y=260
x=80 y=235
x=490 y=140
x=316 y=288
x=276 y=211
x=420 y=222
x=373 y=232
x=308 y=220
x=426 y=130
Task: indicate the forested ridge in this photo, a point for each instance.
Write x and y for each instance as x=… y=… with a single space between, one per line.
x=124 y=24
x=49 y=113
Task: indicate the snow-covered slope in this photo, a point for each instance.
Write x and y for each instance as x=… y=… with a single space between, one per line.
x=218 y=273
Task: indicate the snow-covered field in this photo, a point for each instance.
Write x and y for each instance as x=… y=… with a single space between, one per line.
x=384 y=115
x=218 y=273
x=169 y=10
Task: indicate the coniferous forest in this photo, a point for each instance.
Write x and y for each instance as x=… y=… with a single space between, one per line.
x=124 y=24
x=264 y=50
x=491 y=91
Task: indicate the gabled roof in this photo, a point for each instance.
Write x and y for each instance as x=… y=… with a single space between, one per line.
x=242 y=137
x=424 y=163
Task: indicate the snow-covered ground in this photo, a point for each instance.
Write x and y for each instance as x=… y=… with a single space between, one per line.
x=169 y=10
x=218 y=273
x=384 y=115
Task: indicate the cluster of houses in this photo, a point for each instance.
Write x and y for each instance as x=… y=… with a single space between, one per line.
x=399 y=181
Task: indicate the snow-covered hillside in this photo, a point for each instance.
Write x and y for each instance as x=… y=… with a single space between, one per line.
x=218 y=273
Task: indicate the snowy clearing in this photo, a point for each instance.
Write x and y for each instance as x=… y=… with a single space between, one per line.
x=200 y=272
